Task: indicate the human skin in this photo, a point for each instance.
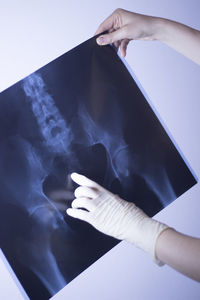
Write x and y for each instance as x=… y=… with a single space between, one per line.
x=123 y=220
x=179 y=251
x=173 y=248
x=124 y=26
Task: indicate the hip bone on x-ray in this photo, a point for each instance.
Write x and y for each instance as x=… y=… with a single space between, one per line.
x=82 y=112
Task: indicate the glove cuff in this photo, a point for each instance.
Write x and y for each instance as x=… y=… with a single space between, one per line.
x=144 y=234
x=163 y=227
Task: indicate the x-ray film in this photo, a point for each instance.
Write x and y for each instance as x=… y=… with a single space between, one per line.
x=82 y=112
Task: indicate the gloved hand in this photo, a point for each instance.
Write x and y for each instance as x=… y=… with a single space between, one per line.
x=113 y=216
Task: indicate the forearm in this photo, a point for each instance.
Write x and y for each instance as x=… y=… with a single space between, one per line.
x=182 y=38
x=123 y=220
x=179 y=251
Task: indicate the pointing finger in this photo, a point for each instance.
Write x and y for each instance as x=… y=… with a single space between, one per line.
x=83 y=180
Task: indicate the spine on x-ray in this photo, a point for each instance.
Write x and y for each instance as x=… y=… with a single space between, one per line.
x=53 y=127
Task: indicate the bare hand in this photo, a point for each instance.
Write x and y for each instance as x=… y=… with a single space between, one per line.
x=124 y=26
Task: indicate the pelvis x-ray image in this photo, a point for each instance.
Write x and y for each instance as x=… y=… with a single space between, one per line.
x=83 y=112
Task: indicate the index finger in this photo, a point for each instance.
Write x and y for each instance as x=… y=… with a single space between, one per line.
x=107 y=24
x=83 y=180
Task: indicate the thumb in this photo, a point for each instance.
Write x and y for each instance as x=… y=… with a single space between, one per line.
x=112 y=37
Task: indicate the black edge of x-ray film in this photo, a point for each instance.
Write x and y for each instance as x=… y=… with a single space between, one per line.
x=82 y=112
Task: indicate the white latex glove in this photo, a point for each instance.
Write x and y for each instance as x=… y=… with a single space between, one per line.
x=113 y=216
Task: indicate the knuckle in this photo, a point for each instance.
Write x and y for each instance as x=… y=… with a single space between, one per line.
x=96 y=190
x=93 y=184
x=118 y=10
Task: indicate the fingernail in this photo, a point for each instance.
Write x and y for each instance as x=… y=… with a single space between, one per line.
x=100 y=40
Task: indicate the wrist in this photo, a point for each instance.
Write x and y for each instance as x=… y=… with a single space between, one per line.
x=160 y=28
x=143 y=233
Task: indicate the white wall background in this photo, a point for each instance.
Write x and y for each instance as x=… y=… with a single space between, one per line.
x=35 y=32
